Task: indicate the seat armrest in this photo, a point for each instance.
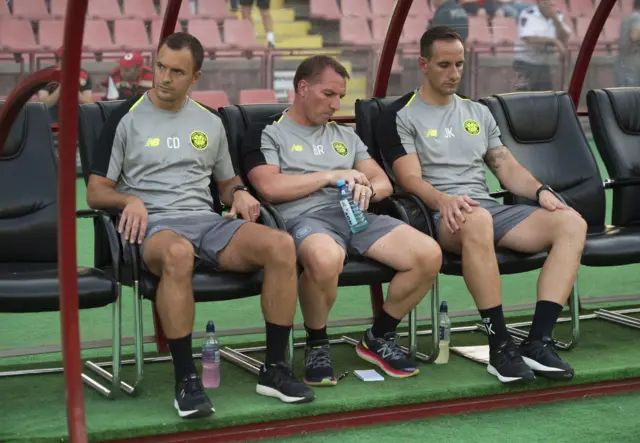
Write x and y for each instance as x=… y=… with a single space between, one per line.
x=621 y=182
x=499 y=193
x=275 y=215
x=425 y=212
x=105 y=218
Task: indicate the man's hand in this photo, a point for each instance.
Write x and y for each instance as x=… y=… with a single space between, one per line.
x=362 y=196
x=452 y=209
x=550 y=202
x=350 y=176
x=133 y=222
x=245 y=205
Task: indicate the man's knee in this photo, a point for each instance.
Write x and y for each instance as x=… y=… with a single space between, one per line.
x=177 y=258
x=277 y=247
x=321 y=257
x=569 y=224
x=478 y=227
x=428 y=257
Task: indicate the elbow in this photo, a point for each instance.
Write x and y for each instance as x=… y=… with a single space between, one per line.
x=91 y=200
x=267 y=193
x=384 y=190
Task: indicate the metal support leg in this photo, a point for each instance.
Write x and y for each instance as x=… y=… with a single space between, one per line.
x=114 y=377
x=435 y=336
x=620 y=317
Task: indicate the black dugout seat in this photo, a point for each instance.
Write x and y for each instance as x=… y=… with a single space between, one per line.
x=510 y=262
x=29 y=229
x=614 y=114
x=237 y=119
x=543 y=132
x=208 y=284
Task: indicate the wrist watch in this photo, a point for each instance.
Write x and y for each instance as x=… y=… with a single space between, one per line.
x=543 y=188
x=239 y=188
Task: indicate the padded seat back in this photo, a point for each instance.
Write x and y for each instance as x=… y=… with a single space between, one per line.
x=28 y=190
x=367 y=112
x=614 y=114
x=238 y=119
x=542 y=131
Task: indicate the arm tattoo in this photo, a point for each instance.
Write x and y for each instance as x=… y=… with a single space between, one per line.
x=496 y=157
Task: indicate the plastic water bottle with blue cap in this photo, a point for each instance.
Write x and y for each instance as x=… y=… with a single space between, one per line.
x=355 y=217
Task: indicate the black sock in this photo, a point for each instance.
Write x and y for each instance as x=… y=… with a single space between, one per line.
x=493 y=321
x=182 y=355
x=544 y=319
x=277 y=340
x=314 y=335
x=384 y=324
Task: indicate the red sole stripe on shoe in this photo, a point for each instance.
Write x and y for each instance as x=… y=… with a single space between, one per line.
x=375 y=359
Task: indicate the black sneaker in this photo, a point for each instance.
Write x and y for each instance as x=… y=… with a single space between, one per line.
x=317 y=362
x=386 y=354
x=278 y=381
x=542 y=358
x=506 y=363
x=191 y=400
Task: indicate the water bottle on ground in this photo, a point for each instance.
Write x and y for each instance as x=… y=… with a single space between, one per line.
x=444 y=323
x=210 y=358
x=355 y=217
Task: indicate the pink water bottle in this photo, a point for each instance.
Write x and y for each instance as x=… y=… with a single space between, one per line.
x=210 y=358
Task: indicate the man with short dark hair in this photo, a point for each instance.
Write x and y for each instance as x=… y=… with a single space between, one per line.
x=156 y=156
x=294 y=163
x=436 y=145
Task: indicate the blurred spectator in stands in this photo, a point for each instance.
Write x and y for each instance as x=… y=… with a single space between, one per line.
x=450 y=13
x=542 y=32
x=267 y=20
x=234 y=5
x=628 y=62
x=50 y=94
x=130 y=78
x=494 y=8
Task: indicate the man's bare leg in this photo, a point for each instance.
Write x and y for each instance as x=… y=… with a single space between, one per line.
x=417 y=260
x=170 y=257
x=475 y=242
x=564 y=233
x=252 y=247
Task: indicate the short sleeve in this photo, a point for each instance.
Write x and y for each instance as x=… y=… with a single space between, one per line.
x=223 y=166
x=493 y=131
x=529 y=25
x=269 y=149
x=362 y=152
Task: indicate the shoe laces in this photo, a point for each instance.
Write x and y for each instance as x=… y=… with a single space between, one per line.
x=318 y=357
x=546 y=347
x=389 y=348
x=192 y=386
x=281 y=373
x=510 y=351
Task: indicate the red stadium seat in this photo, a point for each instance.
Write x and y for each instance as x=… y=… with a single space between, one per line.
x=143 y=9
x=356 y=8
x=611 y=29
x=58 y=8
x=185 y=9
x=97 y=37
x=30 y=9
x=104 y=9
x=240 y=34
x=581 y=8
x=324 y=10
x=413 y=29
x=4 y=10
x=207 y=32
x=355 y=31
x=420 y=8
x=248 y=96
x=213 y=9
x=379 y=27
x=505 y=31
x=131 y=35
x=16 y=35
x=382 y=8
x=212 y=99
x=51 y=34
x=479 y=32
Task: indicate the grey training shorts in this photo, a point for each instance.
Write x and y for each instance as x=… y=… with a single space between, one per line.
x=505 y=217
x=331 y=221
x=209 y=233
